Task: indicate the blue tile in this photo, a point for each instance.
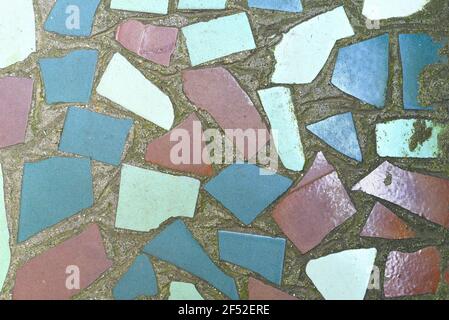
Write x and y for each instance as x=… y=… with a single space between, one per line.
x=69 y=79
x=362 y=70
x=94 y=135
x=72 y=17
x=246 y=190
x=263 y=255
x=139 y=280
x=340 y=133
x=280 y=5
x=417 y=52
x=53 y=190
x=176 y=245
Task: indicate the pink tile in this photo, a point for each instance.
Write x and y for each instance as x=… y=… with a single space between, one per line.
x=258 y=290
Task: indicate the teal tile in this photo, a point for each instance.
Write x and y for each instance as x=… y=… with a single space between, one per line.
x=279 y=5
x=5 y=251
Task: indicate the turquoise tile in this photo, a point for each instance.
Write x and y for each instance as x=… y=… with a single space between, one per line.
x=94 y=135
x=279 y=5
x=5 y=251
x=147 y=6
x=201 y=4
x=246 y=190
x=139 y=280
x=263 y=255
x=53 y=190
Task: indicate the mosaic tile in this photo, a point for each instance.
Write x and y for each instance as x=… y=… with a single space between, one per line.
x=410 y=274
x=176 y=245
x=362 y=70
x=417 y=52
x=69 y=79
x=154 y=43
x=217 y=38
x=385 y=9
x=184 y=291
x=72 y=17
x=344 y=275
x=247 y=190
x=94 y=135
x=53 y=190
x=160 y=150
x=260 y=254
x=315 y=207
x=16 y=96
x=5 y=251
x=383 y=223
x=148 y=6
x=216 y=91
x=201 y=4
x=278 y=5
x=424 y=195
x=305 y=49
x=148 y=198
x=139 y=280
x=340 y=133
x=257 y=290
x=17 y=31
x=55 y=273
x=408 y=138
x=123 y=84
x=278 y=105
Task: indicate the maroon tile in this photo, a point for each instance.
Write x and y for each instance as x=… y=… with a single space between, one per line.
x=424 y=195
x=44 y=277
x=260 y=291
x=216 y=91
x=315 y=207
x=154 y=43
x=15 y=103
x=383 y=223
x=159 y=150
x=409 y=274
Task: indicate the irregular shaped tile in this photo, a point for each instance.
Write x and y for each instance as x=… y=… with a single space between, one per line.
x=417 y=52
x=279 y=5
x=362 y=70
x=216 y=91
x=383 y=223
x=315 y=207
x=218 y=38
x=188 y=134
x=201 y=4
x=410 y=274
x=344 y=275
x=260 y=254
x=72 y=17
x=304 y=50
x=257 y=290
x=53 y=190
x=5 y=251
x=148 y=198
x=340 y=133
x=385 y=9
x=148 y=6
x=424 y=195
x=154 y=43
x=17 y=31
x=247 y=190
x=184 y=291
x=139 y=280
x=123 y=84
x=278 y=105
x=176 y=245
x=408 y=138
x=69 y=79
x=55 y=274
x=16 y=96
x=94 y=135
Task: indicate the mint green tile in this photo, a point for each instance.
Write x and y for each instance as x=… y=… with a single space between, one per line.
x=149 y=6
x=148 y=198
x=201 y=4
x=218 y=38
x=278 y=105
x=394 y=139
x=5 y=251
x=184 y=291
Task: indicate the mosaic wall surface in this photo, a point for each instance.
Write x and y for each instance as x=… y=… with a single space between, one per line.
x=114 y=122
